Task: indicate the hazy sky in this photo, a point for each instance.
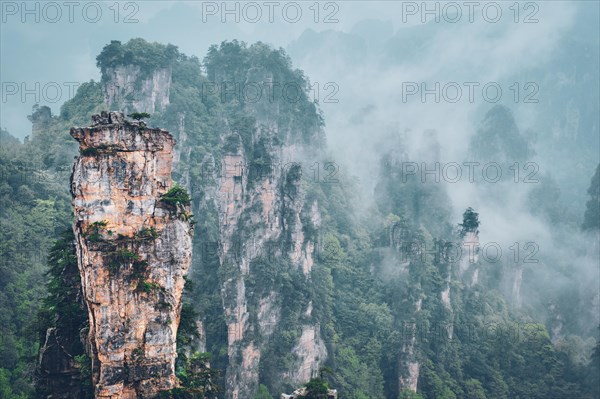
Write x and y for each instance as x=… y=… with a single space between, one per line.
x=364 y=59
x=53 y=46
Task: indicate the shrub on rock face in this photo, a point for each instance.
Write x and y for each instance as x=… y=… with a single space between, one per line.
x=147 y=233
x=138 y=116
x=196 y=379
x=94 y=231
x=177 y=195
x=316 y=389
x=470 y=222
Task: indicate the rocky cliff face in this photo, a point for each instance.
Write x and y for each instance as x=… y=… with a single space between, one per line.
x=408 y=363
x=134 y=247
x=261 y=211
x=469 y=261
x=262 y=214
x=409 y=367
x=128 y=89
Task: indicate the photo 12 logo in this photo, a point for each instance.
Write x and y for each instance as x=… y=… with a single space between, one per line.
x=69 y=11
x=454 y=92
x=270 y=91
x=33 y=173
x=41 y=92
x=468 y=250
x=316 y=172
x=475 y=332
x=453 y=252
x=23 y=255
x=468 y=171
x=270 y=11
x=470 y=11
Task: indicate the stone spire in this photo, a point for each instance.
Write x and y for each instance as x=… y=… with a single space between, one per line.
x=134 y=247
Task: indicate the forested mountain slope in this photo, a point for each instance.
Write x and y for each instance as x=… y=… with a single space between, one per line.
x=289 y=280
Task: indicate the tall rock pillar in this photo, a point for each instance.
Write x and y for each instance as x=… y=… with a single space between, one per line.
x=134 y=246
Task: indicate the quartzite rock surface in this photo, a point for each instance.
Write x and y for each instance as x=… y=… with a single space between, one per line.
x=133 y=252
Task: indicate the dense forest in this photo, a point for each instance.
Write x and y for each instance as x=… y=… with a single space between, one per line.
x=381 y=305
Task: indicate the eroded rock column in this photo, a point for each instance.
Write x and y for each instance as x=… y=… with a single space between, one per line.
x=134 y=247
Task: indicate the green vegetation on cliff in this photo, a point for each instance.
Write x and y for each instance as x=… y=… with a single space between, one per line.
x=147 y=56
x=370 y=296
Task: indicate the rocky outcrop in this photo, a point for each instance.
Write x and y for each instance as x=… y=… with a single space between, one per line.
x=40 y=118
x=270 y=200
x=134 y=247
x=409 y=366
x=128 y=89
x=261 y=212
x=59 y=376
x=469 y=260
x=401 y=249
x=310 y=352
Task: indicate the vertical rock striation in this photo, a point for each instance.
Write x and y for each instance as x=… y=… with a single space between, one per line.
x=409 y=366
x=271 y=200
x=263 y=223
x=128 y=88
x=134 y=247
